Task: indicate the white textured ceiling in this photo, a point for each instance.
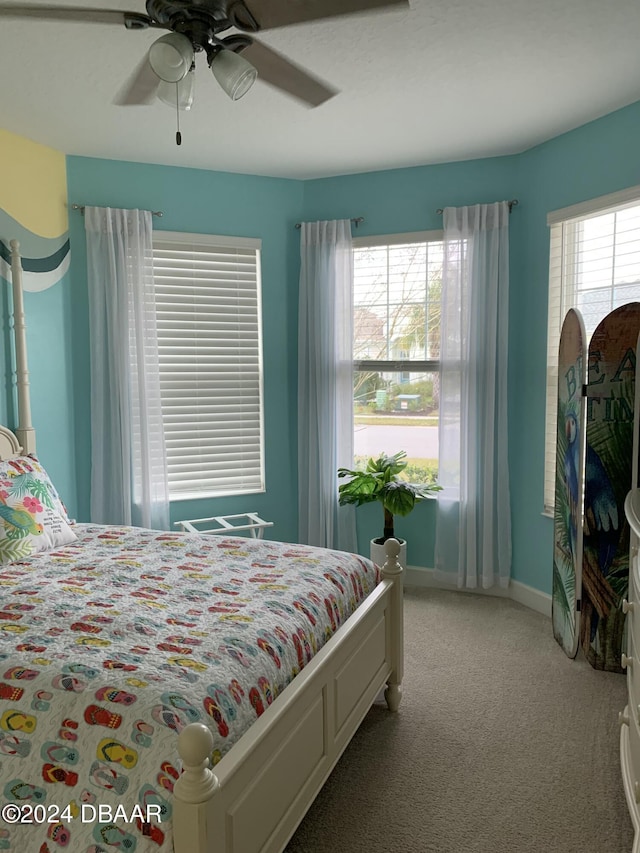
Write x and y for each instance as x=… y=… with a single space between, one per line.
x=445 y=80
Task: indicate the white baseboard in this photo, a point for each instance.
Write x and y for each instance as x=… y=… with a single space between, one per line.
x=417 y=576
x=530 y=597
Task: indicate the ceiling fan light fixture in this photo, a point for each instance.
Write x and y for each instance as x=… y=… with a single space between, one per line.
x=180 y=93
x=234 y=73
x=171 y=57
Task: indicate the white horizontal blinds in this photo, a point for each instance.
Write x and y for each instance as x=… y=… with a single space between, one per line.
x=556 y=315
x=594 y=266
x=608 y=265
x=210 y=351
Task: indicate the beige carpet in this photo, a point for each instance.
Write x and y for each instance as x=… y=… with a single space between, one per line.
x=501 y=745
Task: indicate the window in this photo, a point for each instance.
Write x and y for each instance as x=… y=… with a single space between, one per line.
x=396 y=314
x=210 y=348
x=594 y=266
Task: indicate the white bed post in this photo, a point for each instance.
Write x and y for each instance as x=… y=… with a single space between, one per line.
x=392 y=570
x=25 y=431
x=195 y=786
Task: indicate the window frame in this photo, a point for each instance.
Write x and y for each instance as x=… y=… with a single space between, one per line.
x=397 y=365
x=213 y=242
x=564 y=225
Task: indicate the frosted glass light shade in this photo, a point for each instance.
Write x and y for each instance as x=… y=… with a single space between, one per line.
x=233 y=73
x=185 y=91
x=171 y=57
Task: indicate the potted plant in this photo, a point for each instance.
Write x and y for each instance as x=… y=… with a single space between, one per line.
x=380 y=482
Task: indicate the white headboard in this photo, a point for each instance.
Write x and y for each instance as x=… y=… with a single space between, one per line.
x=9 y=444
x=25 y=436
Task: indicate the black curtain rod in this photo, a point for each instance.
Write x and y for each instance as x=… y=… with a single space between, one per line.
x=512 y=203
x=355 y=219
x=80 y=207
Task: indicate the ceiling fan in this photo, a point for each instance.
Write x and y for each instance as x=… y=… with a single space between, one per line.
x=168 y=70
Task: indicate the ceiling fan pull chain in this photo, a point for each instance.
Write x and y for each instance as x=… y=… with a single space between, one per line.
x=178 y=134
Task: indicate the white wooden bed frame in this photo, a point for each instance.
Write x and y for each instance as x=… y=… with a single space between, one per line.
x=255 y=797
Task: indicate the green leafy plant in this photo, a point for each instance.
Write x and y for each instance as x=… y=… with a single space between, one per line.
x=380 y=482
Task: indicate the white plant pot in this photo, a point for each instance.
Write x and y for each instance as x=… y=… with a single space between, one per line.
x=379 y=555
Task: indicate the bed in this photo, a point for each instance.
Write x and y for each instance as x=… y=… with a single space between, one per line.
x=122 y=665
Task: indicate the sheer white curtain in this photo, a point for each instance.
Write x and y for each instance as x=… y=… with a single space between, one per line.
x=128 y=463
x=325 y=383
x=473 y=521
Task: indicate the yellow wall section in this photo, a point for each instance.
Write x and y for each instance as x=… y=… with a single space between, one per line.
x=33 y=185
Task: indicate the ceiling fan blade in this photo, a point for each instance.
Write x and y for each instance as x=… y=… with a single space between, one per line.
x=281 y=13
x=141 y=87
x=276 y=70
x=77 y=14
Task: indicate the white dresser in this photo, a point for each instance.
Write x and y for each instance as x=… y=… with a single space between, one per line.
x=630 y=717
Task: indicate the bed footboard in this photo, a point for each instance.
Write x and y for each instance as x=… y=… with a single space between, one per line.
x=262 y=788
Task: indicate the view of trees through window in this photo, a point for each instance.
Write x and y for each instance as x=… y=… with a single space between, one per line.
x=396 y=350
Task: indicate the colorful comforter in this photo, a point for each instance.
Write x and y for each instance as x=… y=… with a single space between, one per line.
x=111 y=645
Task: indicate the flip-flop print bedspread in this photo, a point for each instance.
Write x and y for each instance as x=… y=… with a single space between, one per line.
x=110 y=646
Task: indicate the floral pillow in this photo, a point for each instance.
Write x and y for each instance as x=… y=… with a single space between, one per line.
x=25 y=473
x=32 y=516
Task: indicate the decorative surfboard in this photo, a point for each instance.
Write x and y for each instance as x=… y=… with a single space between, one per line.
x=636 y=429
x=609 y=474
x=567 y=525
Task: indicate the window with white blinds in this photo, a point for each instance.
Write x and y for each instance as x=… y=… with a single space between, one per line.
x=594 y=266
x=396 y=349
x=210 y=349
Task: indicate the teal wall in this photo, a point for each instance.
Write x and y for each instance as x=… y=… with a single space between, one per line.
x=49 y=337
x=199 y=201
x=599 y=158
x=397 y=201
x=33 y=211
x=596 y=159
